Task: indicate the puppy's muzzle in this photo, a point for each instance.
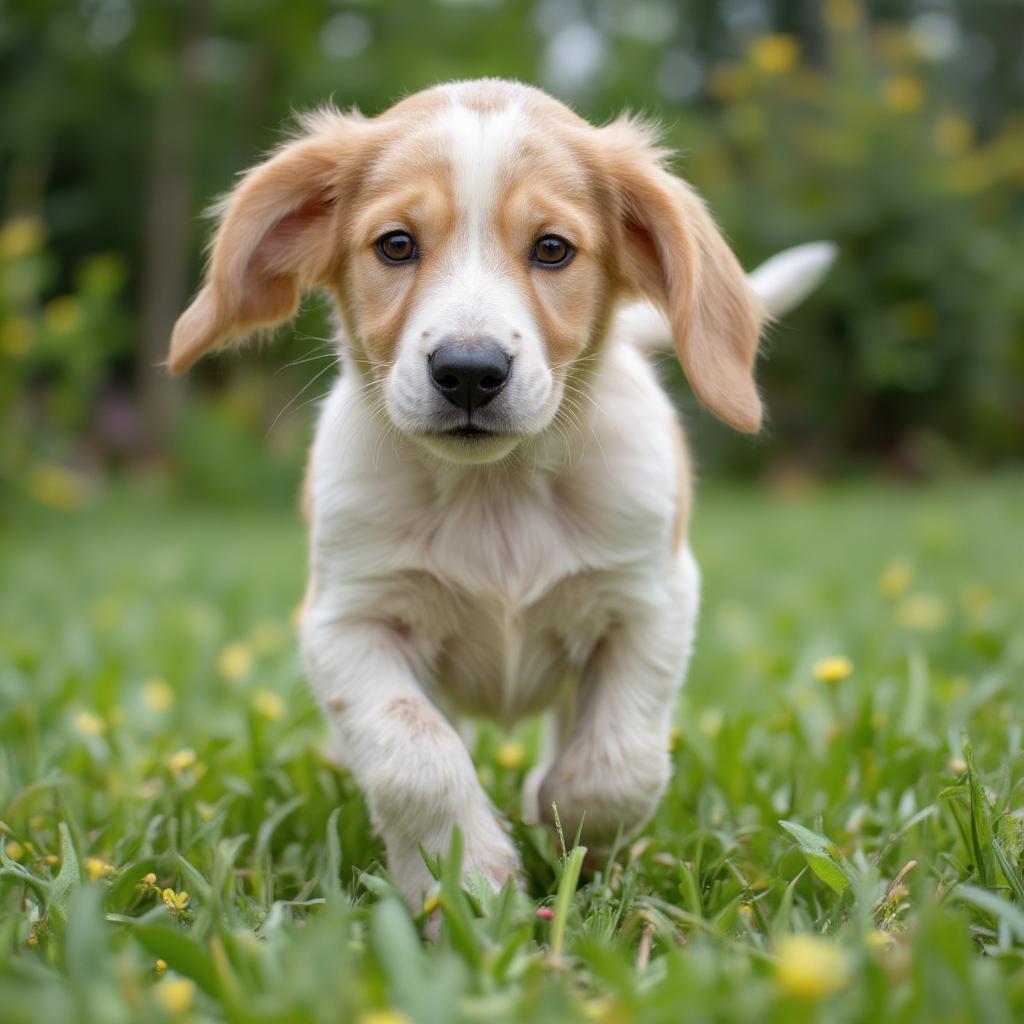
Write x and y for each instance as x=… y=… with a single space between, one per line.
x=469 y=374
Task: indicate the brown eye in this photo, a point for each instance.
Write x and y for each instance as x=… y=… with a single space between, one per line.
x=552 y=251
x=397 y=247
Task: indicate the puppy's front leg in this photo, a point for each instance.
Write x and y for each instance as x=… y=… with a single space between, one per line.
x=417 y=776
x=613 y=765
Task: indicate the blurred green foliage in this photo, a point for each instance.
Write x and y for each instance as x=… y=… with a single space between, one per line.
x=893 y=128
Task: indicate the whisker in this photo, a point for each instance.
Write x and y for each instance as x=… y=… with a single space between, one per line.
x=305 y=388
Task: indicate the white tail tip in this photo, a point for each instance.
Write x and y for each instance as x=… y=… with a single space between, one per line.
x=785 y=280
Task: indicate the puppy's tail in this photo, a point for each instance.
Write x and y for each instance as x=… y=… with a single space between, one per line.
x=785 y=280
x=782 y=282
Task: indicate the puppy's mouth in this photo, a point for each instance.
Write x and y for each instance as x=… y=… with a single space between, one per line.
x=470 y=443
x=468 y=432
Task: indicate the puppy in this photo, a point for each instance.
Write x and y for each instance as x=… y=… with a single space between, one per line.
x=498 y=492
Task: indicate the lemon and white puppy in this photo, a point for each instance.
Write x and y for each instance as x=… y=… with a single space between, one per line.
x=498 y=491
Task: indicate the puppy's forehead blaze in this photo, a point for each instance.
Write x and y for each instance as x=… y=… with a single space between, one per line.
x=494 y=168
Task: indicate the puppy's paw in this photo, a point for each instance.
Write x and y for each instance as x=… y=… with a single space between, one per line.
x=606 y=794
x=489 y=859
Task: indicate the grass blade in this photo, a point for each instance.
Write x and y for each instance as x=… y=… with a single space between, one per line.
x=822 y=855
x=563 y=899
x=981 y=824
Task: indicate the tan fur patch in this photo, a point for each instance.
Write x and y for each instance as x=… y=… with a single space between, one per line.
x=419 y=718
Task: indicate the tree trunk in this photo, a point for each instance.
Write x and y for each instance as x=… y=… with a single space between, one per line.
x=165 y=247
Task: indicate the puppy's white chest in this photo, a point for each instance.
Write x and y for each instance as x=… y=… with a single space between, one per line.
x=506 y=661
x=506 y=562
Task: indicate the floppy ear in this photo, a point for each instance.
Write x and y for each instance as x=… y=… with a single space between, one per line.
x=275 y=236
x=675 y=255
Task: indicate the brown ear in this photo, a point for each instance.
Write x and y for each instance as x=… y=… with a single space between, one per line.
x=274 y=237
x=676 y=256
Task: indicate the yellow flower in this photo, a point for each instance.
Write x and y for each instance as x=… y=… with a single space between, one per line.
x=977 y=598
x=384 y=1017
x=510 y=755
x=63 y=315
x=431 y=903
x=14 y=850
x=833 y=670
x=149 y=879
x=268 y=704
x=810 y=968
x=181 y=760
x=176 y=901
x=598 y=1009
x=55 y=486
x=175 y=995
x=775 y=53
x=924 y=612
x=20 y=236
x=235 y=661
x=728 y=82
x=97 y=869
x=16 y=336
x=953 y=134
x=157 y=695
x=89 y=724
x=52 y=859
x=896 y=578
x=267 y=637
x=842 y=15
x=160 y=966
x=903 y=94
x=710 y=722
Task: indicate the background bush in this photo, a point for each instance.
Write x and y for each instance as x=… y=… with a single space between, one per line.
x=893 y=128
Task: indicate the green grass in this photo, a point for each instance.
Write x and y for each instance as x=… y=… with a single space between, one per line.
x=212 y=780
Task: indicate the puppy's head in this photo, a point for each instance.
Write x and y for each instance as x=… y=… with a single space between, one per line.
x=477 y=237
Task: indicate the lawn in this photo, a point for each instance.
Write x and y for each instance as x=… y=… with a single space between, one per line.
x=175 y=845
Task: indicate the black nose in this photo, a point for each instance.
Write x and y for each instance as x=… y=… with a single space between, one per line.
x=469 y=374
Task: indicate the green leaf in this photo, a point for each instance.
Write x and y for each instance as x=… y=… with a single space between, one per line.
x=912 y=719
x=996 y=906
x=1010 y=833
x=63 y=887
x=981 y=823
x=1010 y=871
x=196 y=882
x=563 y=898
x=183 y=955
x=822 y=856
x=455 y=907
x=330 y=880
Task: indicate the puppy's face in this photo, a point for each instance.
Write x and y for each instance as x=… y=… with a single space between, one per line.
x=477 y=237
x=478 y=270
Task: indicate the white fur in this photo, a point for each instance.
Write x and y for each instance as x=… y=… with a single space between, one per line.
x=785 y=280
x=500 y=590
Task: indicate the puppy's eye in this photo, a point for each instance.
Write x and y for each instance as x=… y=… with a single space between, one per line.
x=397 y=247
x=552 y=251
